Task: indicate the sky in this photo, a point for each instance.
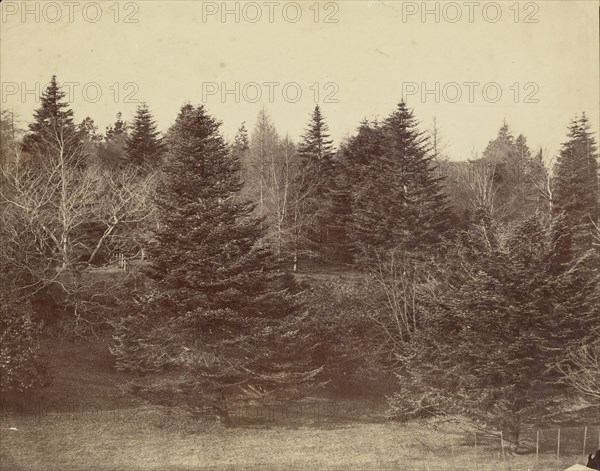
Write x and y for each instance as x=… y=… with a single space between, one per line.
x=471 y=65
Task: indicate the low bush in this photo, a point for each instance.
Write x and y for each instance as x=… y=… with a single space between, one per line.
x=346 y=338
x=21 y=366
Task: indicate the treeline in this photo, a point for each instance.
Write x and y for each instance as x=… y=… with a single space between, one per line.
x=475 y=287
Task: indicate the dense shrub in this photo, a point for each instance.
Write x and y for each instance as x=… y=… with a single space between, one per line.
x=346 y=338
x=222 y=318
x=21 y=366
x=490 y=344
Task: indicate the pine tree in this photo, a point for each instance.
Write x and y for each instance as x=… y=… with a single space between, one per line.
x=315 y=183
x=219 y=294
x=52 y=120
x=576 y=187
x=119 y=128
x=89 y=131
x=144 y=145
x=516 y=194
x=112 y=152
x=522 y=150
x=241 y=143
x=356 y=159
x=240 y=149
x=397 y=201
x=492 y=340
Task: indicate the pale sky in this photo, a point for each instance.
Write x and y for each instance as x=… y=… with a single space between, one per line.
x=374 y=53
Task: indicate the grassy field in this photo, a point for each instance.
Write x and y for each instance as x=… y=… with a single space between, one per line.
x=83 y=422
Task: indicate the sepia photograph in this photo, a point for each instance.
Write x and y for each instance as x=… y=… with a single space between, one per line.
x=354 y=235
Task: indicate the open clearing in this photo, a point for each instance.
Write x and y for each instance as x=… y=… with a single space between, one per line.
x=83 y=423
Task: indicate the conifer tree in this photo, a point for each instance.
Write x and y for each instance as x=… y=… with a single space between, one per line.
x=119 y=128
x=576 y=192
x=516 y=193
x=396 y=199
x=52 y=120
x=240 y=149
x=144 y=145
x=112 y=152
x=355 y=156
x=241 y=143
x=231 y=320
x=315 y=182
x=503 y=319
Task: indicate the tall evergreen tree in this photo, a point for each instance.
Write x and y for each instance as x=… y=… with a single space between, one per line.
x=240 y=149
x=315 y=182
x=144 y=145
x=219 y=294
x=241 y=143
x=499 y=326
x=112 y=152
x=397 y=201
x=576 y=187
x=10 y=134
x=354 y=159
x=516 y=196
x=89 y=131
x=119 y=128
x=52 y=120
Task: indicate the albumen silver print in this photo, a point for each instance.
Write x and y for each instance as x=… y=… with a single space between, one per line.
x=299 y=235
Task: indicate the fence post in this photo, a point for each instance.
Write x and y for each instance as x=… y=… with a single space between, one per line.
x=584 y=440
x=558 y=446
x=502 y=442
x=475 y=447
x=537 y=447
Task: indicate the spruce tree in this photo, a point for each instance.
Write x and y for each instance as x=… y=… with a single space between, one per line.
x=576 y=191
x=517 y=197
x=355 y=163
x=241 y=143
x=397 y=201
x=112 y=152
x=315 y=183
x=89 y=131
x=144 y=145
x=119 y=128
x=52 y=120
x=221 y=309
x=240 y=149
x=504 y=317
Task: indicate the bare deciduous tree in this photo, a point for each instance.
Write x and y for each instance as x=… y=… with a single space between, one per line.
x=278 y=192
x=50 y=205
x=124 y=202
x=478 y=182
x=541 y=175
x=398 y=286
x=50 y=195
x=581 y=370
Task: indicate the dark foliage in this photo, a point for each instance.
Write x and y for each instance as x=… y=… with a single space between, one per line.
x=220 y=317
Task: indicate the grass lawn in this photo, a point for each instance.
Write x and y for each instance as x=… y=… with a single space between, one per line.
x=83 y=423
